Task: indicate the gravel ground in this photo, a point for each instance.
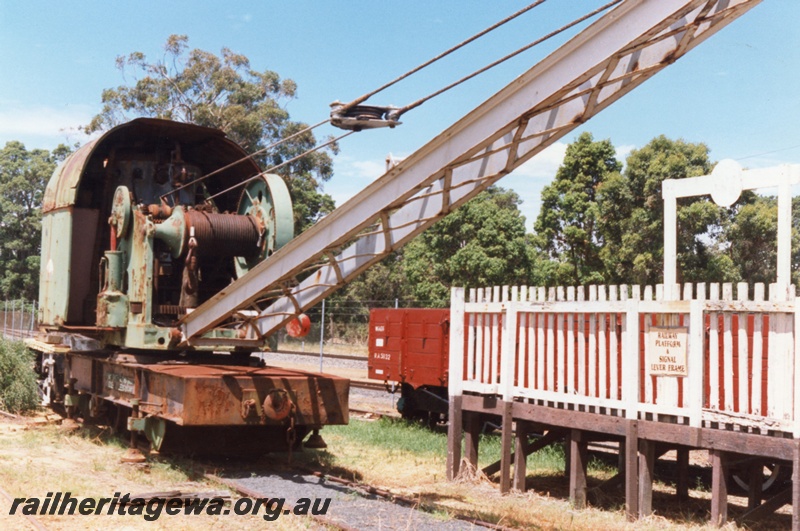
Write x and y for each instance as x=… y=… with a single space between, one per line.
x=328 y=362
x=349 y=507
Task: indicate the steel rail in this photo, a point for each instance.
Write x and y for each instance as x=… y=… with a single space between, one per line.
x=33 y=521
x=316 y=355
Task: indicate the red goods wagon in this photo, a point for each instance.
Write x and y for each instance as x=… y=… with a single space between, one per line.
x=410 y=346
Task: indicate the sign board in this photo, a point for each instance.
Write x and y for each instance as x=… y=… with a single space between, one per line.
x=666 y=351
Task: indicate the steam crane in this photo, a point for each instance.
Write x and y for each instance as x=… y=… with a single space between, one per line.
x=139 y=308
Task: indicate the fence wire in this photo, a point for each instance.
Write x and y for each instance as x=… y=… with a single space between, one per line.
x=19 y=318
x=346 y=324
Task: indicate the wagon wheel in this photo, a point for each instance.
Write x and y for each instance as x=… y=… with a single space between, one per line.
x=773 y=476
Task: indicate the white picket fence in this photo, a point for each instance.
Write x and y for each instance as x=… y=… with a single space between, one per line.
x=586 y=349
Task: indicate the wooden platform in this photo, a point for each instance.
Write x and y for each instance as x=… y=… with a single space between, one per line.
x=650 y=368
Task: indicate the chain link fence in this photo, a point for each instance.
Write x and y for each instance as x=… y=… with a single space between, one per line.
x=337 y=327
x=19 y=318
x=340 y=327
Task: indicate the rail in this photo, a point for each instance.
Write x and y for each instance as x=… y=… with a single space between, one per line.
x=696 y=356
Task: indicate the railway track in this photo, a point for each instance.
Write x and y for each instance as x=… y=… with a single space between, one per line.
x=324 y=355
x=354 y=506
x=368 y=385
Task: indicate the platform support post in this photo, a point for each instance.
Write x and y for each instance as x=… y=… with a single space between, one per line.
x=521 y=460
x=578 y=451
x=505 y=448
x=719 y=488
x=472 y=432
x=754 y=491
x=632 y=470
x=682 y=490
x=567 y=454
x=647 y=462
x=796 y=486
x=454 y=431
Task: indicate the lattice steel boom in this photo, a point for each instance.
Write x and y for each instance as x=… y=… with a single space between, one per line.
x=597 y=67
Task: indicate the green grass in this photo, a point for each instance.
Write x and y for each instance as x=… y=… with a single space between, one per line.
x=397 y=435
x=393 y=434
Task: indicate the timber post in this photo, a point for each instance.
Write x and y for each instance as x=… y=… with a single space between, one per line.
x=454 y=432
x=505 y=447
x=472 y=432
x=647 y=463
x=521 y=454
x=719 y=488
x=796 y=486
x=578 y=452
x=455 y=382
x=631 y=470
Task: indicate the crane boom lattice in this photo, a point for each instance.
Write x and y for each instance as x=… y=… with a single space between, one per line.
x=598 y=66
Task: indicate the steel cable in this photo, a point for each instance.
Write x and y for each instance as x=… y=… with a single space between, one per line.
x=550 y=35
x=250 y=156
x=282 y=164
x=440 y=56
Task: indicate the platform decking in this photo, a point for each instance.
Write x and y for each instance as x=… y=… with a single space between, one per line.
x=586 y=360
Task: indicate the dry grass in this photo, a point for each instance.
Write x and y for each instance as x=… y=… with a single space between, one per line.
x=34 y=461
x=420 y=474
x=38 y=460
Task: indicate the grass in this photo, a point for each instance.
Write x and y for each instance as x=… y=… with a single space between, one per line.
x=403 y=457
x=409 y=460
x=400 y=437
x=86 y=463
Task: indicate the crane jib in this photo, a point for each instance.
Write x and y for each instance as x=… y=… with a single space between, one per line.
x=598 y=66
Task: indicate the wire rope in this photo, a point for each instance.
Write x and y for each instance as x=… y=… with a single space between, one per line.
x=239 y=161
x=282 y=164
x=401 y=110
x=478 y=35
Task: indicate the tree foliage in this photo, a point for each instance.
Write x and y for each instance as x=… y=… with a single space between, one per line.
x=567 y=228
x=483 y=243
x=632 y=214
x=224 y=92
x=599 y=224
x=23 y=177
x=18 y=388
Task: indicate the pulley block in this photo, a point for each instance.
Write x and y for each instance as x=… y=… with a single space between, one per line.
x=360 y=117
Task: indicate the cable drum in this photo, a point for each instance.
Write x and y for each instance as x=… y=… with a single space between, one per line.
x=225 y=235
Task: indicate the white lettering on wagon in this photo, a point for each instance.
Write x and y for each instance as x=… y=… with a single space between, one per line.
x=117 y=382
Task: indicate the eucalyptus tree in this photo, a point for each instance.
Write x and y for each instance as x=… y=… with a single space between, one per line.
x=225 y=92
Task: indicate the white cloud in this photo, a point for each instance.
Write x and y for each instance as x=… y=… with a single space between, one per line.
x=239 y=21
x=43 y=126
x=529 y=179
x=622 y=152
x=545 y=164
x=362 y=170
x=350 y=176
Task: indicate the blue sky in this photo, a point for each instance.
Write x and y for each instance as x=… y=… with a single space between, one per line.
x=738 y=92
